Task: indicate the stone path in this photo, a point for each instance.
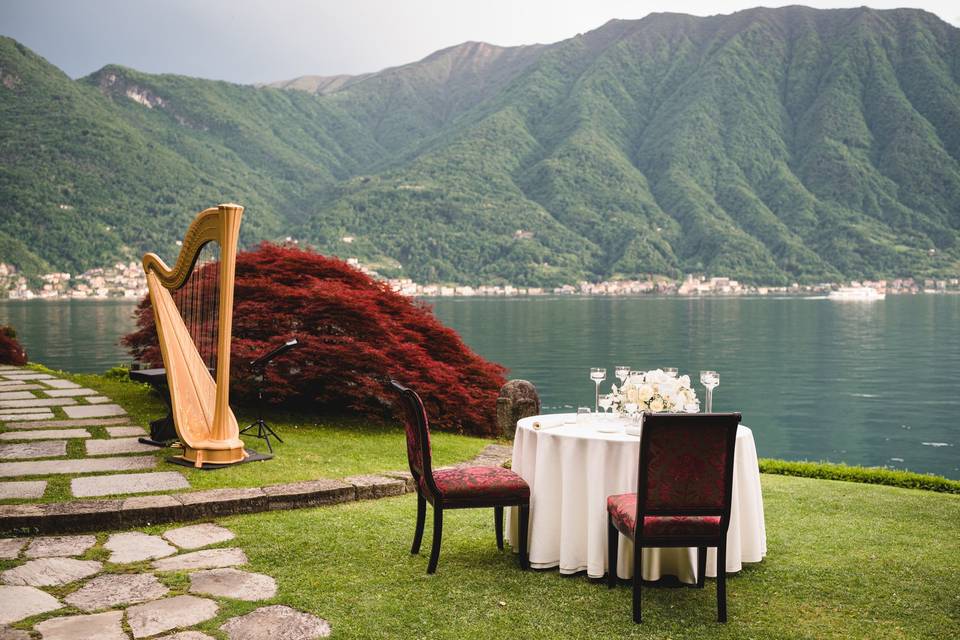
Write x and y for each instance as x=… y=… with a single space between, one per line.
x=87 y=599
x=55 y=427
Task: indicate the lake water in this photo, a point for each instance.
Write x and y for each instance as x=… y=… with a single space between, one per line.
x=862 y=383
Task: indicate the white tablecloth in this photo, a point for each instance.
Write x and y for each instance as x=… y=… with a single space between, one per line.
x=572 y=468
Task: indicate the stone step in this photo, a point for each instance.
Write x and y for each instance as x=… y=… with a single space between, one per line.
x=94 y=411
x=97 y=399
x=126 y=483
x=83 y=422
x=45 y=434
x=117 y=445
x=10 y=418
x=69 y=393
x=16 y=395
x=126 y=432
x=23 y=489
x=36 y=402
x=83 y=465
x=61 y=384
x=26 y=375
x=27 y=450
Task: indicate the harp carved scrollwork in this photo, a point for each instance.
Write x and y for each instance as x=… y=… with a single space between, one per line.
x=200 y=403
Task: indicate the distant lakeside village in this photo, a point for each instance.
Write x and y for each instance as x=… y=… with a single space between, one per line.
x=127 y=281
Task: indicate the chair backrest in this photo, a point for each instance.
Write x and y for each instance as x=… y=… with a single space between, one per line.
x=417 y=430
x=686 y=464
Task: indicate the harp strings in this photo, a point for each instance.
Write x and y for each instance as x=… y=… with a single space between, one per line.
x=198 y=301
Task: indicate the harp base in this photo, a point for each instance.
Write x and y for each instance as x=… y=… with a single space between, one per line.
x=199 y=457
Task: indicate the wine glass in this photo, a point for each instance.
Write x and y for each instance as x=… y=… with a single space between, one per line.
x=671 y=371
x=606 y=402
x=631 y=409
x=598 y=375
x=622 y=373
x=711 y=380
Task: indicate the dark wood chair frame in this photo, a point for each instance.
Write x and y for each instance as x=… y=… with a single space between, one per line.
x=427 y=491
x=651 y=421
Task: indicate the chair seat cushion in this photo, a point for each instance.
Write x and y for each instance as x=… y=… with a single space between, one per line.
x=623 y=511
x=481 y=485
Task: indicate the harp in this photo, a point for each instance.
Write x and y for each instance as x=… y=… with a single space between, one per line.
x=193 y=310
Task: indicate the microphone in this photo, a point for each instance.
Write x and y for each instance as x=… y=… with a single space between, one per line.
x=266 y=358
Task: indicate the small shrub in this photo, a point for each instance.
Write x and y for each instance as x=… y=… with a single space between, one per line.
x=11 y=351
x=868 y=475
x=119 y=372
x=355 y=334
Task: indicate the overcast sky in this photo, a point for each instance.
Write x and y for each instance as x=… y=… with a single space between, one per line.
x=251 y=41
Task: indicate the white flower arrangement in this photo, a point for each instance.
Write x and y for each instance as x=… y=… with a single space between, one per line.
x=656 y=392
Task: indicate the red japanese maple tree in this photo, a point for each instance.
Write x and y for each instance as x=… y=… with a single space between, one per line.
x=355 y=335
x=11 y=351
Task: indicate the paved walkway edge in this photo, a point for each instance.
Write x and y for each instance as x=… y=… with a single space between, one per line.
x=123 y=513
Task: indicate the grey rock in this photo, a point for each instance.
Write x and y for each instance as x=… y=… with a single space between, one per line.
x=36 y=402
x=117 y=445
x=133 y=546
x=23 y=602
x=128 y=483
x=69 y=393
x=206 y=559
x=24 y=489
x=10 y=547
x=233 y=583
x=93 y=410
x=81 y=422
x=162 y=615
x=110 y=590
x=121 y=432
x=518 y=399
x=55 y=546
x=276 y=622
x=45 y=434
x=98 y=626
x=25 y=450
x=198 y=535
x=80 y=465
x=370 y=487
x=50 y=572
x=56 y=383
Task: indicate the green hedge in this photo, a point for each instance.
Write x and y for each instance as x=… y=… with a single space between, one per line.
x=868 y=475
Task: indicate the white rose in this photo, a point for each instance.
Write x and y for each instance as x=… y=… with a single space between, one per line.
x=646 y=392
x=632 y=394
x=657 y=405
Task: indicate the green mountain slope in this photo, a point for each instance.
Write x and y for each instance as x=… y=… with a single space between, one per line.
x=771 y=145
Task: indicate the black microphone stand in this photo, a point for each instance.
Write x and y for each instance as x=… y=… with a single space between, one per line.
x=260 y=366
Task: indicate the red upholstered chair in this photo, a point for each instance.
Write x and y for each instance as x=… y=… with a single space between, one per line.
x=683 y=499
x=459 y=488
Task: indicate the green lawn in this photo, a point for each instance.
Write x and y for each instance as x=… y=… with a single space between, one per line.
x=845 y=561
x=313 y=447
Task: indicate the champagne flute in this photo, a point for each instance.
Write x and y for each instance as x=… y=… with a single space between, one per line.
x=622 y=373
x=710 y=380
x=631 y=409
x=598 y=375
x=606 y=402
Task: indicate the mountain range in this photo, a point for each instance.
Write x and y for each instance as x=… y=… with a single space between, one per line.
x=769 y=145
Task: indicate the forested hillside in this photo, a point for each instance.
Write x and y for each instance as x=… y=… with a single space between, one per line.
x=771 y=145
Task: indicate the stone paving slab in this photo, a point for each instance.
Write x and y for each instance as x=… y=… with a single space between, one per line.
x=198 y=535
x=122 y=432
x=23 y=489
x=112 y=589
x=8 y=417
x=87 y=465
x=26 y=375
x=162 y=615
x=83 y=422
x=370 y=487
x=233 y=583
x=277 y=622
x=20 y=410
x=57 y=383
x=310 y=493
x=45 y=434
x=55 y=546
x=10 y=547
x=124 y=483
x=23 y=602
x=97 y=399
x=16 y=395
x=98 y=626
x=182 y=635
x=50 y=572
x=80 y=515
x=8 y=386
x=117 y=445
x=69 y=393
x=12 y=383
x=37 y=402
x=220 y=502
x=7 y=633
x=134 y=546
x=26 y=450
x=206 y=559
x=138 y=511
x=93 y=411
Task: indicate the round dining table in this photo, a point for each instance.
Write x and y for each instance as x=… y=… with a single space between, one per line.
x=574 y=462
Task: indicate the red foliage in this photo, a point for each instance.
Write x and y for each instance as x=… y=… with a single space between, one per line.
x=11 y=352
x=355 y=334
